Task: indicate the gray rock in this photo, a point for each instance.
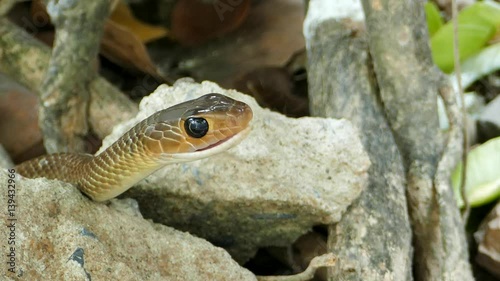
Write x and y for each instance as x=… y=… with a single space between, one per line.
x=285 y=177
x=61 y=235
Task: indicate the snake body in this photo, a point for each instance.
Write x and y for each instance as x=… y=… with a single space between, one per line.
x=184 y=132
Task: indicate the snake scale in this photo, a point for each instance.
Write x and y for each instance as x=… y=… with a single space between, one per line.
x=187 y=131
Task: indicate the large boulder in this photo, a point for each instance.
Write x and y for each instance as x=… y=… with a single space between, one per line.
x=285 y=177
x=59 y=234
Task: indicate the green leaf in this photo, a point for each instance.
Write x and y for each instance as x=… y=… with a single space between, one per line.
x=483 y=174
x=487 y=12
x=434 y=20
x=485 y=62
x=476 y=25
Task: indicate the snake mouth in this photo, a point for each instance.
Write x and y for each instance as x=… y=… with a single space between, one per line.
x=234 y=139
x=215 y=144
x=210 y=150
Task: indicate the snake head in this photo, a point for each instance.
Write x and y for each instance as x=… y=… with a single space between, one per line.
x=197 y=128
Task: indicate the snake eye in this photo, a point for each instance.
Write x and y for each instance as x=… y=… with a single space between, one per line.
x=196 y=127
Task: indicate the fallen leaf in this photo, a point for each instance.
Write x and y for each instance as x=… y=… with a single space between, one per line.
x=124 y=48
x=123 y=16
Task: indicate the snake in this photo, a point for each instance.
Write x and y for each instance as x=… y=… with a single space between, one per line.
x=188 y=131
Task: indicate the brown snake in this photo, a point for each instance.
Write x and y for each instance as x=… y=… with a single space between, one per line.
x=187 y=131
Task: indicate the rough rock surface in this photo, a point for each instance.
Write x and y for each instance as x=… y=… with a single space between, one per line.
x=61 y=235
x=285 y=177
x=488 y=239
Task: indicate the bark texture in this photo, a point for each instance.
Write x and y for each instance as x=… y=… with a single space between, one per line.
x=393 y=103
x=408 y=82
x=373 y=239
x=65 y=89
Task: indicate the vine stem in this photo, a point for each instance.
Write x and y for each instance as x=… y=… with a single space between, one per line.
x=456 y=56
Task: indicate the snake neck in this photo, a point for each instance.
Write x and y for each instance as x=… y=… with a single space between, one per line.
x=118 y=168
x=100 y=177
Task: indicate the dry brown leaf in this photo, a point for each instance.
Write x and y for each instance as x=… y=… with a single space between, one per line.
x=119 y=44
x=124 y=48
x=325 y=260
x=123 y=16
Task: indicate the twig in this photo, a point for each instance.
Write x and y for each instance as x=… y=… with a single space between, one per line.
x=453 y=145
x=326 y=260
x=342 y=84
x=456 y=56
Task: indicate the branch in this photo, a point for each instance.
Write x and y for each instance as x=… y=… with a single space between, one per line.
x=406 y=76
x=64 y=91
x=25 y=60
x=375 y=230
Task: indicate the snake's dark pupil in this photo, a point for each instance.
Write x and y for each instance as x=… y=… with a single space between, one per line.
x=196 y=127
